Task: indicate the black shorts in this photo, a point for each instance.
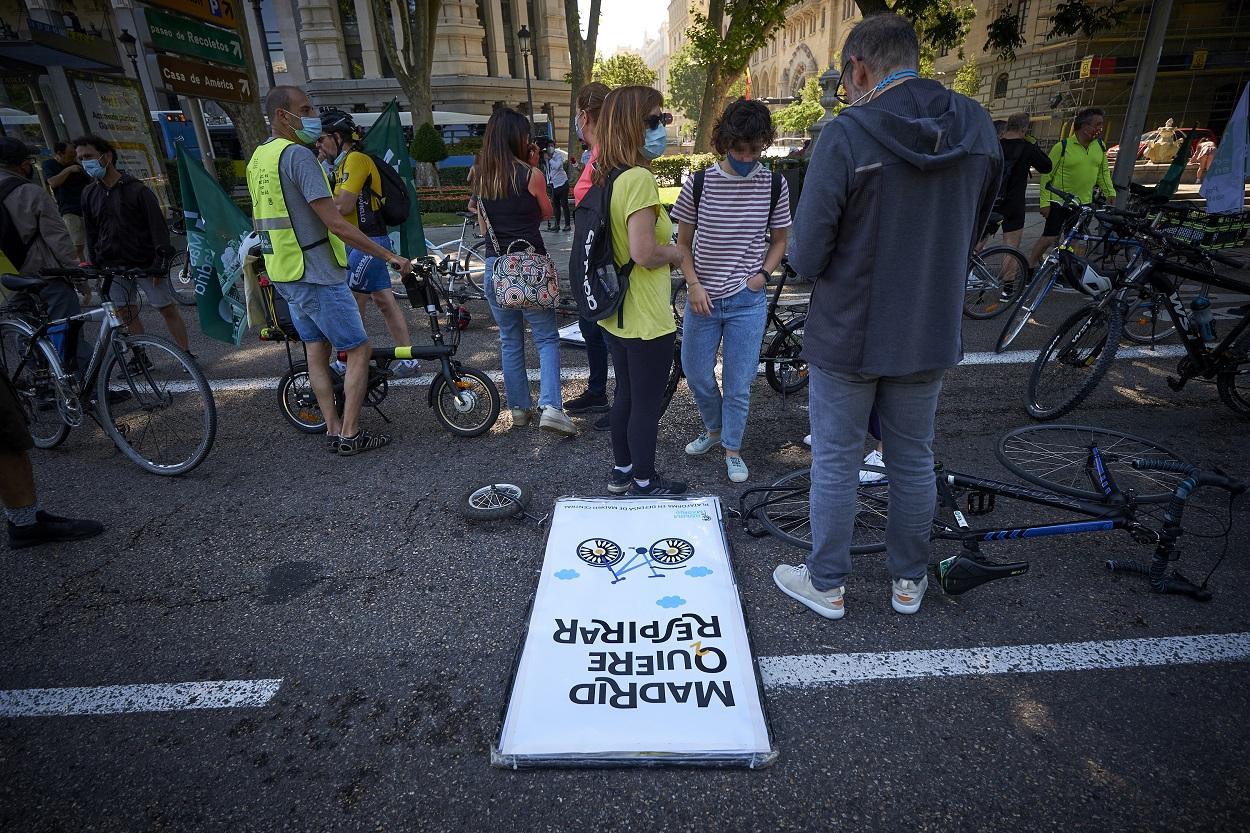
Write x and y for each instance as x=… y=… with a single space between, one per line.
x=1058 y=220
x=14 y=432
x=1013 y=218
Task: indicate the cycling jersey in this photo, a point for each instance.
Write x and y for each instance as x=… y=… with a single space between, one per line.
x=357 y=174
x=1077 y=169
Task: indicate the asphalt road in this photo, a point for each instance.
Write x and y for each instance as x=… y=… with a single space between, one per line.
x=392 y=623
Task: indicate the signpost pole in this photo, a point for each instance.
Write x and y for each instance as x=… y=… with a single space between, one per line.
x=201 y=135
x=1139 y=99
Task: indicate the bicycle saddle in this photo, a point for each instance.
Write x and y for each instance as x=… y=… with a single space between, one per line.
x=17 y=283
x=961 y=573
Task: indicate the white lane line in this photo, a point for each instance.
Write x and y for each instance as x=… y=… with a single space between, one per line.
x=843 y=669
x=577 y=374
x=153 y=697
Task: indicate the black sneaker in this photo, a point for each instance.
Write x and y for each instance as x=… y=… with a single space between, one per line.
x=604 y=423
x=595 y=403
x=363 y=441
x=659 y=487
x=49 y=528
x=619 y=482
x=1008 y=290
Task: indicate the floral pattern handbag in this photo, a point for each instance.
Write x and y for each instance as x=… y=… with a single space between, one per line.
x=523 y=279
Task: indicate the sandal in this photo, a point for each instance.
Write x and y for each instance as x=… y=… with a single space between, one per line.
x=363 y=441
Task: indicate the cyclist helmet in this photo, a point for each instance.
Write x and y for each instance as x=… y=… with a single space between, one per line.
x=341 y=125
x=1080 y=274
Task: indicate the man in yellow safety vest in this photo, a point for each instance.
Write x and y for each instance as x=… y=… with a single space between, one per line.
x=302 y=236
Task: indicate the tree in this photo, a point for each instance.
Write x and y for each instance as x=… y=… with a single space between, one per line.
x=428 y=149
x=623 y=70
x=248 y=119
x=686 y=79
x=802 y=114
x=407 y=32
x=968 y=78
x=581 y=54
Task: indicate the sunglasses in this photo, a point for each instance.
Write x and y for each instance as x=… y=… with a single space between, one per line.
x=652 y=122
x=840 y=92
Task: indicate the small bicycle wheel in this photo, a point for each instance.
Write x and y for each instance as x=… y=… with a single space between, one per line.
x=1146 y=321
x=599 y=552
x=785 y=513
x=298 y=401
x=1057 y=457
x=1075 y=360
x=1030 y=299
x=496 y=501
x=35 y=383
x=1234 y=384
x=182 y=280
x=472 y=408
x=996 y=277
x=164 y=418
x=668 y=553
x=783 y=366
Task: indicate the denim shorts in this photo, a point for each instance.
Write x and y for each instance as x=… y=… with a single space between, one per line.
x=324 y=312
x=366 y=273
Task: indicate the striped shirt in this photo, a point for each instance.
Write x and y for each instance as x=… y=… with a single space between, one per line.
x=729 y=244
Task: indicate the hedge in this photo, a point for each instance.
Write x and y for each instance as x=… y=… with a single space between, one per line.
x=465 y=147
x=669 y=170
x=458 y=175
x=446 y=199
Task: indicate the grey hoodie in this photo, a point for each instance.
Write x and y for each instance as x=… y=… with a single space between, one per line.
x=893 y=201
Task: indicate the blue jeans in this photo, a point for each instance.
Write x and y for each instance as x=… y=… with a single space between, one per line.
x=366 y=273
x=546 y=336
x=736 y=327
x=839 y=405
x=324 y=312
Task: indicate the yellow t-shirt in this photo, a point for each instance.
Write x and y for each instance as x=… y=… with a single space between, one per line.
x=647 y=309
x=358 y=174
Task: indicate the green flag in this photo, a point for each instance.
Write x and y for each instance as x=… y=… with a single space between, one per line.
x=385 y=140
x=215 y=230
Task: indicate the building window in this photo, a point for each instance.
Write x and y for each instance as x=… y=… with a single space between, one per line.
x=822 y=19
x=1022 y=13
x=1000 y=85
x=944 y=51
x=848 y=9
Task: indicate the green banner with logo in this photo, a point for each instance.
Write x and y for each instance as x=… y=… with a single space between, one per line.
x=385 y=140
x=215 y=230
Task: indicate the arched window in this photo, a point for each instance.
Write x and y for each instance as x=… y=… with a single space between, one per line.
x=1000 y=85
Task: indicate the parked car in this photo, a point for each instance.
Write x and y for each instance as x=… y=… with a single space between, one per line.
x=1200 y=133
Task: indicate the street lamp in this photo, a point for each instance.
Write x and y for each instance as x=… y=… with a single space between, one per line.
x=523 y=37
x=131 y=44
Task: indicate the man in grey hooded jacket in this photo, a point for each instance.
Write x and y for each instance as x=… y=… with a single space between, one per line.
x=899 y=187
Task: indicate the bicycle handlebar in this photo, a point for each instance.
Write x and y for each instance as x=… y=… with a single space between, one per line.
x=1067 y=198
x=102 y=272
x=1217 y=479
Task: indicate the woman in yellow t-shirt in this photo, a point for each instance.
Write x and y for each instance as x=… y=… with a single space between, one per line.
x=631 y=132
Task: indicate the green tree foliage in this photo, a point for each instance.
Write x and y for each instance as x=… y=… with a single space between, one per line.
x=802 y=114
x=427 y=148
x=686 y=80
x=623 y=70
x=968 y=78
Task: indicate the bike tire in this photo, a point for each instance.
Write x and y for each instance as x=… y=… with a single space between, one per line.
x=784 y=368
x=1054 y=457
x=675 y=374
x=1028 y=302
x=173 y=386
x=1086 y=341
x=678 y=301
x=34 y=384
x=1234 y=385
x=181 y=281
x=496 y=501
x=473 y=418
x=1146 y=321
x=297 y=401
x=990 y=265
x=787 y=516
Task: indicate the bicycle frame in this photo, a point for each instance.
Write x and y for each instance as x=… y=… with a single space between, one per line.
x=111 y=322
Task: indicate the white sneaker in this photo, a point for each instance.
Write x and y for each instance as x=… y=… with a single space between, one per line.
x=520 y=417
x=736 y=467
x=702 y=444
x=807 y=441
x=339 y=367
x=873 y=458
x=557 y=422
x=907 y=594
x=797 y=584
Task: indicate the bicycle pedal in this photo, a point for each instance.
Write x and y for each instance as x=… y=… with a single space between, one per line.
x=980 y=503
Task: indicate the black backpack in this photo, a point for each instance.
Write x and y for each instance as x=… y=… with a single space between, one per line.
x=598 y=283
x=395 y=204
x=11 y=243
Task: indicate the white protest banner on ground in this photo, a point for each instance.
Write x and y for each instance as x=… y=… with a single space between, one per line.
x=572 y=334
x=1224 y=186
x=637 y=649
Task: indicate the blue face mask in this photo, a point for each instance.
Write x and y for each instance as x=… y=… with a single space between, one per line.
x=338 y=160
x=654 y=142
x=309 y=130
x=93 y=168
x=577 y=128
x=741 y=168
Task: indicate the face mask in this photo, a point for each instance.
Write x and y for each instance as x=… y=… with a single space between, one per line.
x=654 y=142
x=93 y=168
x=309 y=130
x=742 y=168
x=887 y=81
x=577 y=128
x=338 y=160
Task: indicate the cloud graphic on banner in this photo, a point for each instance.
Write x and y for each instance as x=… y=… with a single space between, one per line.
x=671 y=601
x=567 y=575
x=698 y=572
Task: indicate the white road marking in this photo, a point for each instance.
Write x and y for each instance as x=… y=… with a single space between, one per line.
x=577 y=374
x=151 y=697
x=843 y=669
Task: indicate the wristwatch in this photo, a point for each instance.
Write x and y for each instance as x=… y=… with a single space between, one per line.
x=766 y=275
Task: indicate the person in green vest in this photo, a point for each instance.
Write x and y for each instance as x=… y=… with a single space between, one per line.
x=302 y=236
x=1078 y=163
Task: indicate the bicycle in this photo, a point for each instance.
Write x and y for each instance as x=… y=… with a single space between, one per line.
x=461 y=262
x=1081 y=350
x=666 y=554
x=465 y=400
x=996 y=278
x=181 y=281
x=1107 y=480
x=148 y=395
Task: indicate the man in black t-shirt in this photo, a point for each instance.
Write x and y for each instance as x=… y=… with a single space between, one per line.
x=1019 y=154
x=66 y=179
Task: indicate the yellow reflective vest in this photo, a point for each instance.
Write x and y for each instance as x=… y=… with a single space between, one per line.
x=284 y=256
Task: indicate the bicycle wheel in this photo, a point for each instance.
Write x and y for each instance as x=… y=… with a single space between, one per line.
x=1234 y=385
x=35 y=383
x=165 y=420
x=996 y=277
x=785 y=513
x=783 y=367
x=298 y=401
x=1074 y=361
x=600 y=552
x=678 y=300
x=181 y=280
x=670 y=553
x=496 y=502
x=1146 y=321
x=1030 y=299
x=675 y=374
x=1056 y=457
x=472 y=409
